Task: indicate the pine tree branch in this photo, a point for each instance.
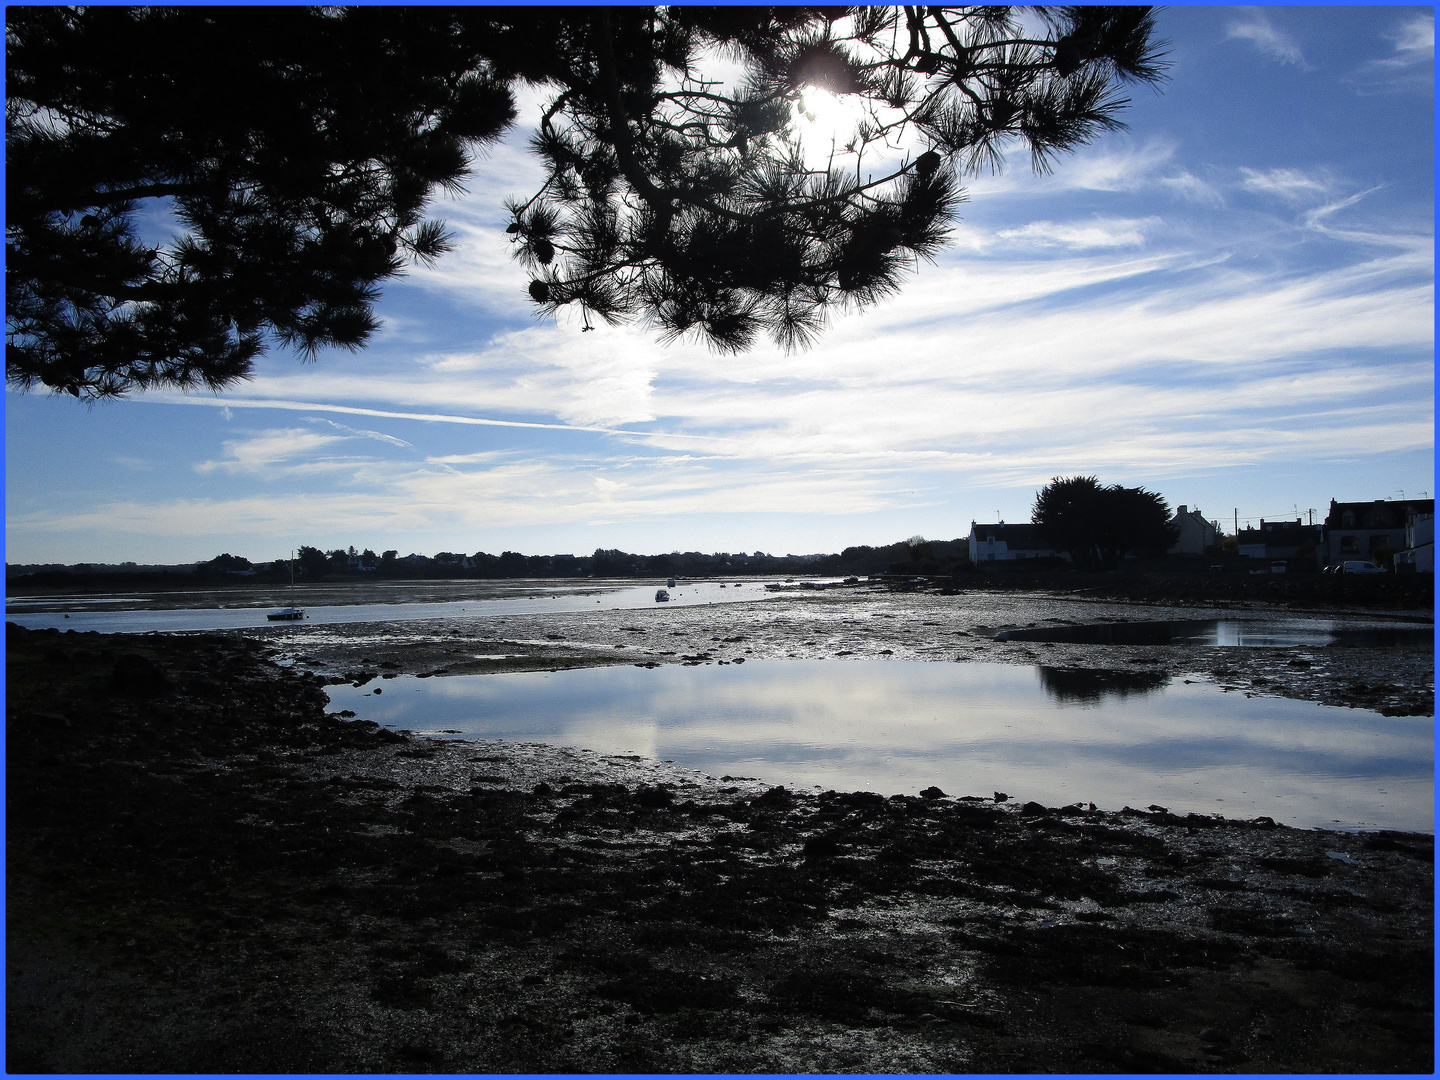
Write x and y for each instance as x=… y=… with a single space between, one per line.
x=623 y=141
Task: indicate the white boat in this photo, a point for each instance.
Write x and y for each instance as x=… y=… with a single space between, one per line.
x=661 y=594
x=289 y=614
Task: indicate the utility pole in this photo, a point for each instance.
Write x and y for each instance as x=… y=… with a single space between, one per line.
x=1237 y=521
x=1311 y=512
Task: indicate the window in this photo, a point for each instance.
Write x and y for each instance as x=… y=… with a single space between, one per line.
x=1349 y=545
x=1347 y=519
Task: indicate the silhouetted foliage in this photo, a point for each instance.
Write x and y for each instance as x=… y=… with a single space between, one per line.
x=313 y=562
x=1097 y=524
x=686 y=202
x=298 y=147
x=222 y=565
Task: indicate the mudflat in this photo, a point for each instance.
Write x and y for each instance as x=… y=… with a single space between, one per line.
x=869 y=623
x=207 y=871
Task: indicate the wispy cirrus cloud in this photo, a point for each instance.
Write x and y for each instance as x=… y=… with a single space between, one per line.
x=359 y=433
x=1078 y=236
x=276 y=451
x=1191 y=188
x=1289 y=185
x=1319 y=196
x=1256 y=26
x=1411 y=63
x=1118 y=165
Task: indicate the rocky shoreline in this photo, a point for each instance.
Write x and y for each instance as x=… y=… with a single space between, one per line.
x=209 y=872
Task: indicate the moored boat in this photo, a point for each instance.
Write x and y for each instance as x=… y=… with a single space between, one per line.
x=661 y=594
x=289 y=614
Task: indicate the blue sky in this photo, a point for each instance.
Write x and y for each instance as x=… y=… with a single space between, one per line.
x=1230 y=303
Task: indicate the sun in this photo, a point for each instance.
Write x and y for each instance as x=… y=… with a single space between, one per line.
x=826 y=123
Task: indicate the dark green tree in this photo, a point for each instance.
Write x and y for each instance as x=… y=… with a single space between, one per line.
x=313 y=562
x=222 y=565
x=1097 y=524
x=297 y=149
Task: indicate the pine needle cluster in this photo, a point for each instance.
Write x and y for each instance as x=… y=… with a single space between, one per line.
x=296 y=149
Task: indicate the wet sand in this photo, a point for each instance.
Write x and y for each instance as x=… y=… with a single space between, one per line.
x=208 y=871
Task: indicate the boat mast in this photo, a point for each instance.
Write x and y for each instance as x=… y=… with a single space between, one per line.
x=292 y=568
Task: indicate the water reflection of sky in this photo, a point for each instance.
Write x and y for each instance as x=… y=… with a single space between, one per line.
x=1289 y=632
x=974 y=729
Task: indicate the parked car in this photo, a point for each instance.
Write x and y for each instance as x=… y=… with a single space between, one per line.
x=1359 y=566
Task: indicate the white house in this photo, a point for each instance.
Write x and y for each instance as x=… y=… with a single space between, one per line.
x=1419 y=553
x=1196 y=534
x=1004 y=543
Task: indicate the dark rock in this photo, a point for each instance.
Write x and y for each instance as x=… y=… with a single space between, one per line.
x=861 y=800
x=138 y=676
x=653 y=798
x=1220 y=884
x=776 y=797
x=664 y=991
x=933 y=793
x=1246 y=921
x=821 y=847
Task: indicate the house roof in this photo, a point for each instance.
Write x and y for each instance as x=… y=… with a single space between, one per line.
x=1015 y=536
x=1377 y=514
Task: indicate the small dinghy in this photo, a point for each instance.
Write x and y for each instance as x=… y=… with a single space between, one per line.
x=661 y=595
x=289 y=614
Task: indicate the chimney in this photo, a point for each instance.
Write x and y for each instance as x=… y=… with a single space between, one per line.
x=1180 y=510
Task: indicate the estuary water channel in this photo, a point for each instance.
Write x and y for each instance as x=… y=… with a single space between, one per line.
x=1051 y=735
x=135 y=614
x=1196 y=709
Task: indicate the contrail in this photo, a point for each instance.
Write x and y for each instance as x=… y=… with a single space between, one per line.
x=443 y=418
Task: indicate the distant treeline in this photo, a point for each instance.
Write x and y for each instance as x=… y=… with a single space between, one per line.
x=915 y=555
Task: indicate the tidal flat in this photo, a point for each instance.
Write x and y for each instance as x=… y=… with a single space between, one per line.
x=210 y=869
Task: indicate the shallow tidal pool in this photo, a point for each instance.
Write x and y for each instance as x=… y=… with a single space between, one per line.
x=1034 y=733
